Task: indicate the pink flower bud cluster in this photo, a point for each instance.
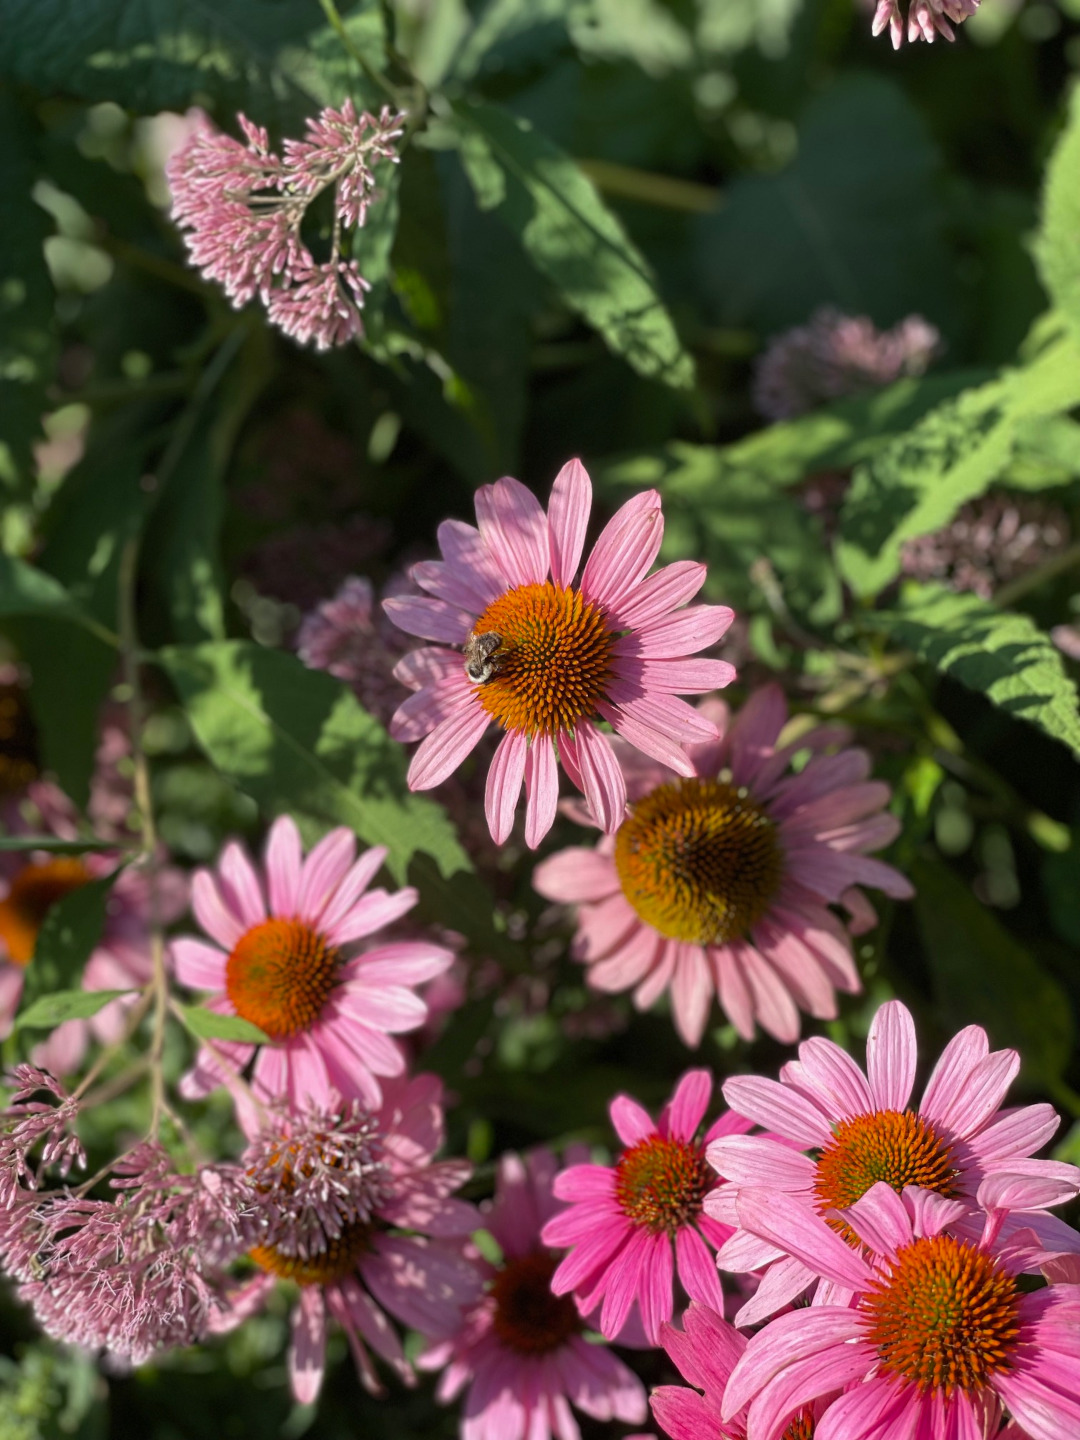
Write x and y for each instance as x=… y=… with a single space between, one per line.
x=834 y=356
x=242 y=207
x=925 y=19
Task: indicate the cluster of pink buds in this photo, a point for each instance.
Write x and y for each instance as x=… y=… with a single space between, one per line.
x=925 y=19
x=242 y=207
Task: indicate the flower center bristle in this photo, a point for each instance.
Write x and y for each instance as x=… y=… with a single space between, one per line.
x=280 y=975
x=528 y=1318
x=946 y=1317
x=660 y=1183
x=553 y=665
x=339 y=1259
x=802 y=1427
x=699 y=861
x=896 y=1146
x=34 y=891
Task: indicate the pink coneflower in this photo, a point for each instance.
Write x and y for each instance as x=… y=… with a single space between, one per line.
x=520 y=1350
x=929 y=1335
x=358 y=1214
x=286 y=960
x=834 y=356
x=861 y=1128
x=634 y=1224
x=31 y=883
x=926 y=19
x=242 y=207
x=705 y=1352
x=545 y=656
x=720 y=883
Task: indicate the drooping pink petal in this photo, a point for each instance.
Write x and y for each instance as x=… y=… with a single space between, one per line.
x=196 y=964
x=504 y=780
x=575 y=874
x=541 y=790
x=430 y=619
x=307 y=1351
x=443 y=750
x=602 y=780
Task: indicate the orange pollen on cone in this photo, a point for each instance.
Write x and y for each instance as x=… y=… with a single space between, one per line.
x=528 y=1318
x=33 y=893
x=896 y=1146
x=660 y=1183
x=699 y=861
x=553 y=663
x=280 y=975
x=340 y=1258
x=946 y=1317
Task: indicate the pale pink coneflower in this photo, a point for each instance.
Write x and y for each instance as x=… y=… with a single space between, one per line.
x=546 y=656
x=834 y=356
x=861 y=1128
x=242 y=207
x=637 y=1224
x=520 y=1353
x=926 y=1333
x=284 y=955
x=926 y=19
x=357 y=1212
x=32 y=882
x=721 y=883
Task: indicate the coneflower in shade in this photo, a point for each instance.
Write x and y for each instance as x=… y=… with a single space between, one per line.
x=287 y=958
x=352 y=1207
x=721 y=882
x=958 y=1143
x=927 y=1334
x=550 y=655
x=926 y=19
x=635 y=1225
x=519 y=1353
x=31 y=883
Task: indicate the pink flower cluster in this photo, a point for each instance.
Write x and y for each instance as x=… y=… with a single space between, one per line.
x=833 y=356
x=242 y=207
x=926 y=19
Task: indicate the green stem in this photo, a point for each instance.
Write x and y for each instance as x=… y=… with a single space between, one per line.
x=375 y=76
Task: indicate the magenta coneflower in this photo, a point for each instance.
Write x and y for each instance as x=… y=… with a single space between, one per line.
x=545 y=656
x=635 y=1224
x=31 y=883
x=958 y=1143
x=926 y=19
x=285 y=958
x=721 y=883
x=357 y=1212
x=929 y=1335
x=521 y=1350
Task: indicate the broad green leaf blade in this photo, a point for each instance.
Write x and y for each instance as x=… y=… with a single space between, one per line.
x=276 y=61
x=209 y=1025
x=983 y=976
x=25 y=590
x=572 y=238
x=510 y=31
x=1003 y=655
x=954 y=454
x=856 y=220
x=52 y=1010
x=27 y=320
x=68 y=936
x=1056 y=251
x=297 y=740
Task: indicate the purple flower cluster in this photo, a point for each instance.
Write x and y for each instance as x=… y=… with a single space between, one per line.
x=242 y=206
x=834 y=356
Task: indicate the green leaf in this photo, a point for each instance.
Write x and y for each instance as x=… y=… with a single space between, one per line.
x=297 y=740
x=272 y=60
x=856 y=220
x=25 y=590
x=572 y=238
x=508 y=32
x=954 y=454
x=983 y=976
x=209 y=1025
x=1057 y=253
x=52 y=1010
x=27 y=320
x=1003 y=655
x=69 y=934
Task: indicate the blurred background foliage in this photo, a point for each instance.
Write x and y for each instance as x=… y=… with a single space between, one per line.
x=605 y=210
